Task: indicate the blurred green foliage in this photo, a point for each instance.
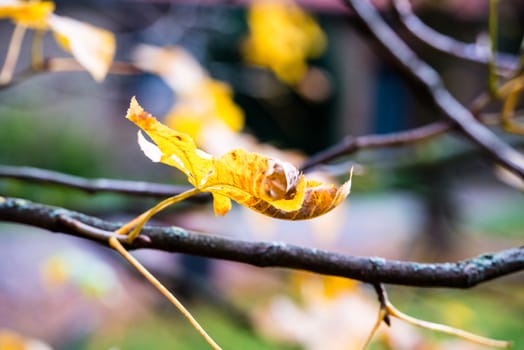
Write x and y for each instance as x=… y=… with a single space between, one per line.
x=493 y=310
x=171 y=331
x=48 y=142
x=501 y=220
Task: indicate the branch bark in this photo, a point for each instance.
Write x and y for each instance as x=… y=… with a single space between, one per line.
x=374 y=270
x=424 y=76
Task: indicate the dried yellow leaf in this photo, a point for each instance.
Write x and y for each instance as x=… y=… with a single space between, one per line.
x=30 y=14
x=93 y=47
x=210 y=102
x=282 y=37
x=266 y=185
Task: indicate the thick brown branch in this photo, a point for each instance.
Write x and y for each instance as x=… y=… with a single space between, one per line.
x=375 y=270
x=138 y=188
x=427 y=78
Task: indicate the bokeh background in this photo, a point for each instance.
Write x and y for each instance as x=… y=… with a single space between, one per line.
x=437 y=201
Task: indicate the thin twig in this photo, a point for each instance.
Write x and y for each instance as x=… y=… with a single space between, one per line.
x=461 y=274
x=88 y=231
x=353 y=144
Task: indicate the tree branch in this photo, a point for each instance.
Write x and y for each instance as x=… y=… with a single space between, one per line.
x=138 y=188
x=428 y=79
x=67 y=64
x=353 y=144
x=350 y=144
x=374 y=270
x=466 y=51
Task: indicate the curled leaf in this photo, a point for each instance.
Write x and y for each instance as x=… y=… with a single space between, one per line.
x=267 y=185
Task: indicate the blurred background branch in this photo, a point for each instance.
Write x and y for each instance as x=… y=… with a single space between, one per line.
x=420 y=74
x=64 y=65
x=474 y=52
x=351 y=145
x=137 y=188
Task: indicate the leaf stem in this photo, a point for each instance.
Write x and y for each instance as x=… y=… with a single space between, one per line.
x=37 y=50
x=387 y=309
x=382 y=314
x=12 y=54
x=115 y=244
x=138 y=222
x=392 y=311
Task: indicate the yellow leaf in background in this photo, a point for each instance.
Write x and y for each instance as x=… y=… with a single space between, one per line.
x=315 y=287
x=282 y=37
x=269 y=186
x=54 y=272
x=11 y=340
x=30 y=14
x=212 y=101
x=176 y=66
x=201 y=102
x=93 y=47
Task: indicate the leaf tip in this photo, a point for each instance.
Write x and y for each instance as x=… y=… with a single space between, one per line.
x=345 y=189
x=134 y=109
x=137 y=115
